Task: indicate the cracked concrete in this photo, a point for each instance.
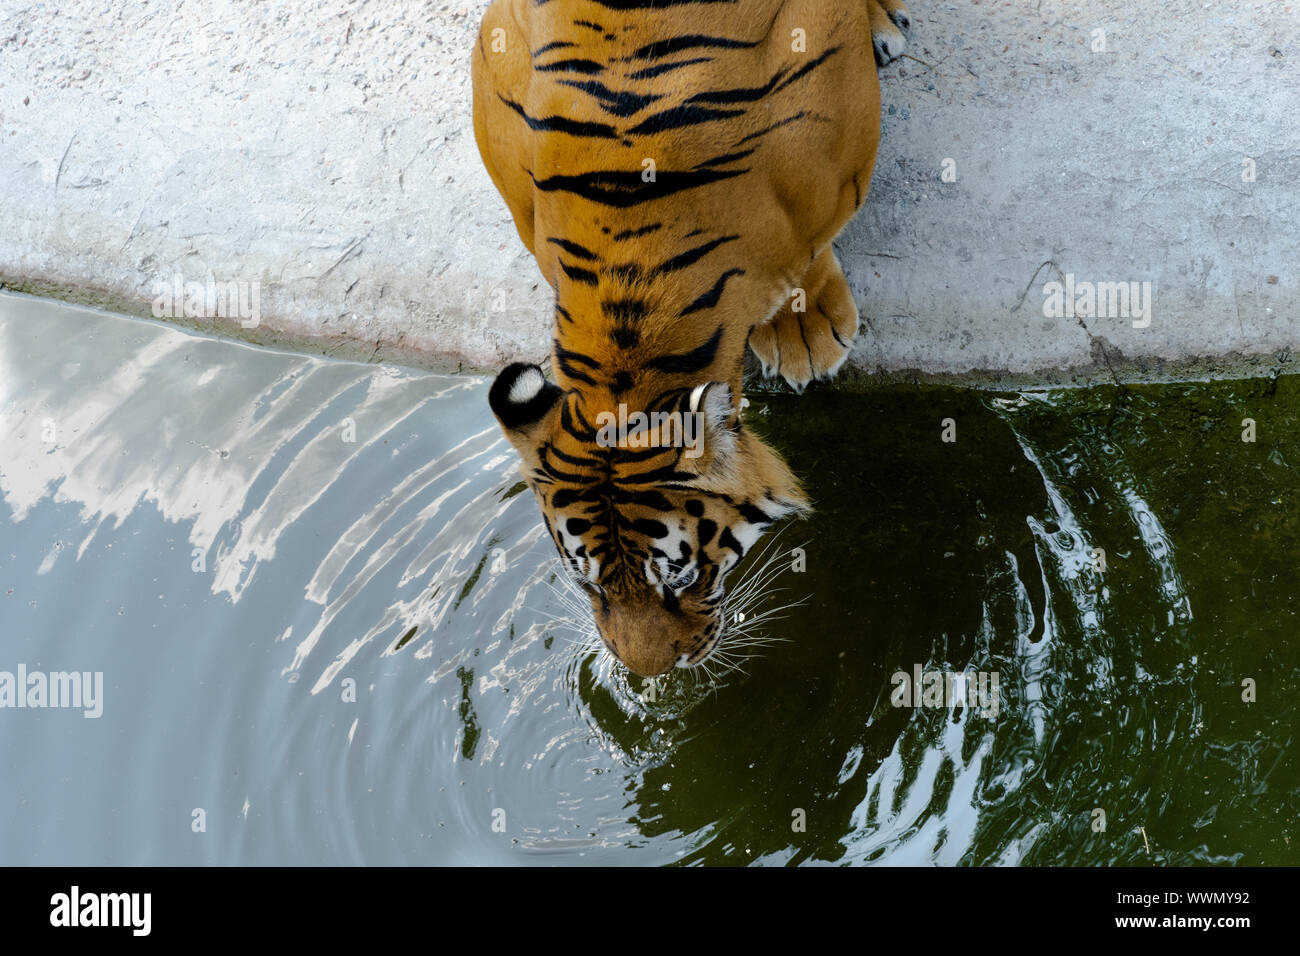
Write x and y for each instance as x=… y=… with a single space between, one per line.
x=323 y=150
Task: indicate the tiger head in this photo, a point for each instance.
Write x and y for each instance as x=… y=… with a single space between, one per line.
x=649 y=513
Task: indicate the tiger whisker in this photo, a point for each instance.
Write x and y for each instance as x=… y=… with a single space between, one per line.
x=737 y=638
x=767 y=558
x=756 y=582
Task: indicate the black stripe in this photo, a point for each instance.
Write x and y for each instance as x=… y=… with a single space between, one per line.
x=658 y=476
x=650 y=527
x=582 y=252
x=807 y=68
x=626 y=337
x=710 y=299
x=565 y=497
x=625 y=310
x=568 y=362
x=646 y=499
x=619 y=102
x=571 y=66
x=739 y=94
x=622 y=189
x=726 y=158
x=686 y=363
x=661 y=48
x=564 y=313
x=562 y=124
x=679 y=117
x=564 y=353
x=573 y=477
x=650 y=72
x=728 y=540
x=777 y=125
x=691 y=256
x=556 y=45
x=575 y=404
x=671 y=603
x=589 y=25
x=753 y=515
x=585 y=276
x=634 y=233
x=579 y=430
x=568 y=369
x=582 y=462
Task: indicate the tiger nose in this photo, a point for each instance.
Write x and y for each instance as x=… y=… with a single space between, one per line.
x=646 y=661
x=646 y=638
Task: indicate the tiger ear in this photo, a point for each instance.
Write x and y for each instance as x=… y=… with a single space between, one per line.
x=713 y=413
x=730 y=456
x=521 y=398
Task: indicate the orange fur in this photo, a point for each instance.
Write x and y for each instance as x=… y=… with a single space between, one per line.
x=679 y=172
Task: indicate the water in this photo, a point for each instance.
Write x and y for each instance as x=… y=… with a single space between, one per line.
x=323 y=650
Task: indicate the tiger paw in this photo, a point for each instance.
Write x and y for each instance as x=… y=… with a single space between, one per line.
x=890 y=23
x=812 y=334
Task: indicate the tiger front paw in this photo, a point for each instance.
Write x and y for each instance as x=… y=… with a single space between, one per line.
x=812 y=335
x=890 y=24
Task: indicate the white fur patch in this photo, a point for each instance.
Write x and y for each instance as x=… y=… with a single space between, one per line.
x=778 y=509
x=748 y=535
x=695 y=396
x=717 y=405
x=526 y=387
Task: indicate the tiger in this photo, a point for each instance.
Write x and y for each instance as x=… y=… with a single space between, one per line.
x=678 y=169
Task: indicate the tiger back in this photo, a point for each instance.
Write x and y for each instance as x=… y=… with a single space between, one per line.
x=678 y=169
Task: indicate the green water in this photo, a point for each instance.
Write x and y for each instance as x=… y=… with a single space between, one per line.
x=1132 y=705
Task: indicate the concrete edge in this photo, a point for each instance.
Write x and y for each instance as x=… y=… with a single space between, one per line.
x=1109 y=365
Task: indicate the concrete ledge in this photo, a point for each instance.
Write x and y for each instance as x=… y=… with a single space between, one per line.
x=323 y=151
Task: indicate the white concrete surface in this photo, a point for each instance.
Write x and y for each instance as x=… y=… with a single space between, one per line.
x=323 y=150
